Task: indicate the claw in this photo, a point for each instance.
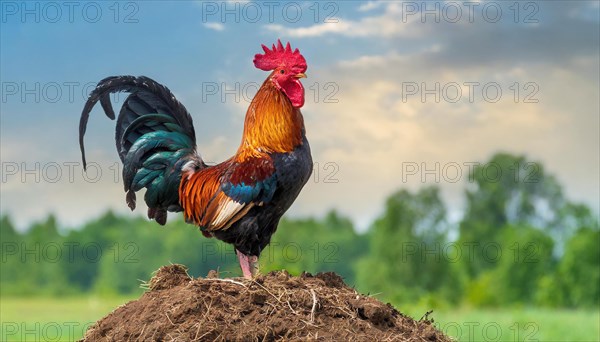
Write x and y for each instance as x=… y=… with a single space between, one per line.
x=249 y=264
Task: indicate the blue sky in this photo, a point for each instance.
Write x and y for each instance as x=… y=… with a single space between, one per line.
x=364 y=123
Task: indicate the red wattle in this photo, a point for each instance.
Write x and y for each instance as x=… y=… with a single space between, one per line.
x=294 y=91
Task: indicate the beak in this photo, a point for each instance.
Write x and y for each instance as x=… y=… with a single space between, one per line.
x=301 y=75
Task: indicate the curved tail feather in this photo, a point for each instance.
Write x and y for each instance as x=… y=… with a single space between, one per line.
x=154 y=138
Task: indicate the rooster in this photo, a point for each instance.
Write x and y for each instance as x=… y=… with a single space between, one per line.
x=239 y=201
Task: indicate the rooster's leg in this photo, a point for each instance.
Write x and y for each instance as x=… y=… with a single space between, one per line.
x=249 y=264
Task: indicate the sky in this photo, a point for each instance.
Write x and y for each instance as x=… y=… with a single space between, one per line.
x=399 y=95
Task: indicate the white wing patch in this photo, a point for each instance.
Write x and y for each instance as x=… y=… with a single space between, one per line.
x=229 y=212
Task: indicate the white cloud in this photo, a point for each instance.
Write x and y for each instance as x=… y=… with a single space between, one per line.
x=390 y=23
x=310 y=31
x=370 y=5
x=368 y=61
x=214 y=26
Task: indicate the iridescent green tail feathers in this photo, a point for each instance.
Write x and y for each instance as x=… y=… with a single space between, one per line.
x=155 y=138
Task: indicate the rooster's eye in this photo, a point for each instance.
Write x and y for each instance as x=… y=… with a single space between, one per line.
x=282 y=71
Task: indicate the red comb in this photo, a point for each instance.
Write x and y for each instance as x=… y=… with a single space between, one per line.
x=280 y=56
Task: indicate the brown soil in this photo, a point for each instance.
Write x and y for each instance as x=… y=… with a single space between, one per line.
x=275 y=306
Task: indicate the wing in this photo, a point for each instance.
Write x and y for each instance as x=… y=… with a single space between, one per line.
x=217 y=197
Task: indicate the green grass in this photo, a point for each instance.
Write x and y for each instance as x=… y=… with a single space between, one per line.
x=52 y=319
x=515 y=324
x=65 y=319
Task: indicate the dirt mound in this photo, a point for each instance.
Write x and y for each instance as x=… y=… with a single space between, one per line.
x=275 y=306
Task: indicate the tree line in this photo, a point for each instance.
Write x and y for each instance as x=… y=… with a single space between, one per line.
x=519 y=242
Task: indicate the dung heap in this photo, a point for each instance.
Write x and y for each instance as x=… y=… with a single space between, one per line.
x=275 y=306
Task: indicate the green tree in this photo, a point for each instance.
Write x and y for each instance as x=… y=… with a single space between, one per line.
x=133 y=254
x=85 y=247
x=42 y=255
x=314 y=246
x=12 y=272
x=405 y=260
x=507 y=190
x=579 y=269
x=523 y=256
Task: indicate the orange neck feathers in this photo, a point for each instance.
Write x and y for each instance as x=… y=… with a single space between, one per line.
x=272 y=124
